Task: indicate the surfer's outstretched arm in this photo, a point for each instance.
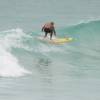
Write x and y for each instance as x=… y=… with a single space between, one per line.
x=42 y=29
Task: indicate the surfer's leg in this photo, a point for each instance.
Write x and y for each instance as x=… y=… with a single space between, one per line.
x=51 y=35
x=45 y=35
x=46 y=32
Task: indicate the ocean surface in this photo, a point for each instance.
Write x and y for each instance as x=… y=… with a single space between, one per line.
x=34 y=70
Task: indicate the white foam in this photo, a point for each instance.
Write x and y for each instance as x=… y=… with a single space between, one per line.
x=13 y=38
x=9 y=65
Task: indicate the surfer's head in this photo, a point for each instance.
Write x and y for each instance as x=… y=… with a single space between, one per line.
x=52 y=23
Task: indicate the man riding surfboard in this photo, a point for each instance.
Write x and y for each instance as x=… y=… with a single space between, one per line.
x=49 y=28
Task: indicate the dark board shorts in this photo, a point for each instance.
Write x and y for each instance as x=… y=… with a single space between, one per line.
x=47 y=30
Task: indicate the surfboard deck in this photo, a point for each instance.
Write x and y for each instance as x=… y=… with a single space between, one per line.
x=61 y=40
x=56 y=40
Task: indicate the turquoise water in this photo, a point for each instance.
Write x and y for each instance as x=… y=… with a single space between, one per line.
x=35 y=70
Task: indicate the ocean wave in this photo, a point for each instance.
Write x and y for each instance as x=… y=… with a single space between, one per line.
x=86 y=21
x=86 y=44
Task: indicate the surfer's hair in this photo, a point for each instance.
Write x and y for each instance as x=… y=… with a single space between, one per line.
x=52 y=23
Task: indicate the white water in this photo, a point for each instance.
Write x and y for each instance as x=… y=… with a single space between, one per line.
x=9 y=64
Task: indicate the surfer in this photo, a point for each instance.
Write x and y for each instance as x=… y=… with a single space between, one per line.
x=49 y=28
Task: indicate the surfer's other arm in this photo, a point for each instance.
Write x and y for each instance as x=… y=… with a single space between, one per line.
x=54 y=31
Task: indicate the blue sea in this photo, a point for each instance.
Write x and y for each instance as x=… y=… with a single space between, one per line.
x=34 y=70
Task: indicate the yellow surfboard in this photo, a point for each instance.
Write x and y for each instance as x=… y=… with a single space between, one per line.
x=61 y=40
x=56 y=40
